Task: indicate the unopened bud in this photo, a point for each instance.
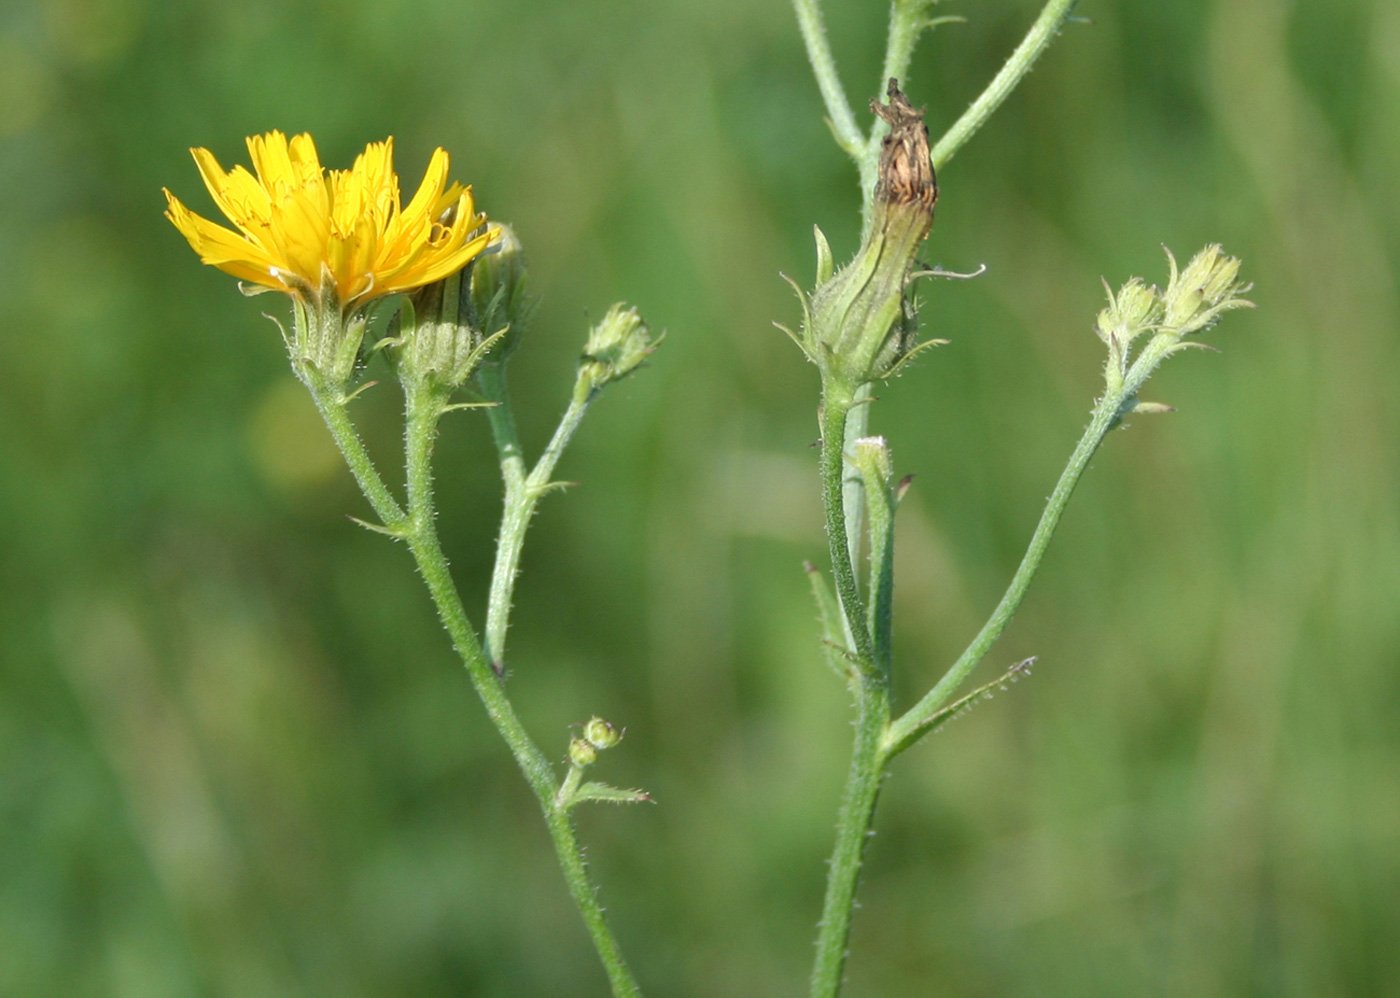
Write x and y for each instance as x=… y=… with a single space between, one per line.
x=616 y=346
x=497 y=291
x=436 y=335
x=1134 y=310
x=582 y=752
x=1196 y=296
x=600 y=734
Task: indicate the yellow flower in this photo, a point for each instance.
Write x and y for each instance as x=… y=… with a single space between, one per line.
x=303 y=230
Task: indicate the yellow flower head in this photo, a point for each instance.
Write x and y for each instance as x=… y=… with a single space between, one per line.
x=301 y=228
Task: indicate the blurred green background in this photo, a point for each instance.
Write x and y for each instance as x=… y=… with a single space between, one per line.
x=237 y=756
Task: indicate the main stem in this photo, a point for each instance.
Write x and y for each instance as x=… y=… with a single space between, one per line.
x=872 y=711
x=909 y=727
x=418 y=528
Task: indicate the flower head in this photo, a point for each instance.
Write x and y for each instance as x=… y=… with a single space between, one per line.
x=314 y=233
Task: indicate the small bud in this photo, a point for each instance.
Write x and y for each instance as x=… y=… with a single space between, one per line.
x=1194 y=299
x=582 y=752
x=1197 y=296
x=497 y=291
x=616 y=346
x=1134 y=310
x=872 y=457
x=861 y=323
x=600 y=734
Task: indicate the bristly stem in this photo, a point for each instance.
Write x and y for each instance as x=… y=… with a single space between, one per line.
x=837 y=401
x=871 y=687
x=424 y=407
x=523 y=493
x=916 y=721
x=1052 y=17
x=838 y=108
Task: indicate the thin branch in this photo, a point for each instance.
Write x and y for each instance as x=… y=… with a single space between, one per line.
x=838 y=108
x=1047 y=26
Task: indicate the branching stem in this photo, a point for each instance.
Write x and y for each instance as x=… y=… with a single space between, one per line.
x=523 y=493
x=424 y=407
x=914 y=723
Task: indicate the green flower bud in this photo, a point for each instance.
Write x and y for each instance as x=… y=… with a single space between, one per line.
x=616 y=346
x=861 y=323
x=872 y=459
x=497 y=286
x=600 y=734
x=435 y=336
x=1133 y=311
x=582 y=752
x=1196 y=296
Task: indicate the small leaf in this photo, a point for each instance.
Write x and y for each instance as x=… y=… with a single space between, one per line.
x=605 y=794
x=1146 y=407
x=829 y=612
x=959 y=707
x=394 y=532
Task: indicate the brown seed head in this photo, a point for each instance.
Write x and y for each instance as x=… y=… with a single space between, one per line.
x=906 y=169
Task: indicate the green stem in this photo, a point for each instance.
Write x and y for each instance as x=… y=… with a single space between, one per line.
x=838 y=108
x=852 y=833
x=837 y=401
x=332 y=405
x=1043 y=31
x=523 y=493
x=418 y=527
x=872 y=709
x=915 y=722
x=853 y=491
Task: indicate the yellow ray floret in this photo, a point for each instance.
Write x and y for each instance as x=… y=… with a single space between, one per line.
x=297 y=222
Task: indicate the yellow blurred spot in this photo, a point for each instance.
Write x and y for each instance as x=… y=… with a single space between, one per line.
x=290 y=446
x=26 y=88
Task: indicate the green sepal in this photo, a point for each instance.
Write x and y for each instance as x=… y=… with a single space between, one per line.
x=826 y=265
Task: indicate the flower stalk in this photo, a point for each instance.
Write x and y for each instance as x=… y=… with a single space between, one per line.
x=859 y=325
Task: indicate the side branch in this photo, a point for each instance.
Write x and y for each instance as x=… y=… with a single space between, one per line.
x=838 y=108
x=923 y=716
x=1043 y=31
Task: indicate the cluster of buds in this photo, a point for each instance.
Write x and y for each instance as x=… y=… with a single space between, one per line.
x=616 y=347
x=445 y=330
x=1194 y=300
x=596 y=736
x=860 y=323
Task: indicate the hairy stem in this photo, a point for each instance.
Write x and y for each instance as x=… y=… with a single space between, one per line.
x=1043 y=31
x=852 y=833
x=871 y=688
x=419 y=529
x=838 y=108
x=837 y=401
x=914 y=723
x=332 y=405
x=523 y=493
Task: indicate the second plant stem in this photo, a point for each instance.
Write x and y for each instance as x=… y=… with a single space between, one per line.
x=870 y=683
x=877 y=738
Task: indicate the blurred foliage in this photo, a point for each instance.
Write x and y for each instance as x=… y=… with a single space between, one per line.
x=237 y=756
